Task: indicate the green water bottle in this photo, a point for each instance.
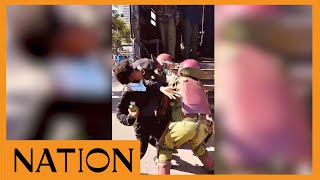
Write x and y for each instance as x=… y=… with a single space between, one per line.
x=133 y=108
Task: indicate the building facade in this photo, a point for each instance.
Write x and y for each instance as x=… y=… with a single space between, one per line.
x=125 y=11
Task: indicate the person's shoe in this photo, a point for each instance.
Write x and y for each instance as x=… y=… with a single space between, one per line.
x=164 y=167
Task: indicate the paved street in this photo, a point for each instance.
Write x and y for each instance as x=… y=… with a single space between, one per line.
x=183 y=163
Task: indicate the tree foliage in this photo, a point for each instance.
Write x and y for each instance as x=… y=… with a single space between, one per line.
x=120 y=31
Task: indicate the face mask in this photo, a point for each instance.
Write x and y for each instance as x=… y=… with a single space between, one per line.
x=137 y=86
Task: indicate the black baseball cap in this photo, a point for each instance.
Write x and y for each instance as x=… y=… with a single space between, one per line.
x=143 y=63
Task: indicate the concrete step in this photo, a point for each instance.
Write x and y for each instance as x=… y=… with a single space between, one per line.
x=207 y=81
x=206 y=59
x=206 y=65
x=209 y=87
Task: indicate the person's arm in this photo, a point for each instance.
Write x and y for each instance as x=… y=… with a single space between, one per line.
x=153 y=85
x=122 y=111
x=168 y=91
x=163 y=109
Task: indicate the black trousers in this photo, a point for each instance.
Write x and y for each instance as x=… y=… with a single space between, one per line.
x=148 y=130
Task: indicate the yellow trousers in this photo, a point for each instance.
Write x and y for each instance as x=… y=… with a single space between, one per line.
x=186 y=131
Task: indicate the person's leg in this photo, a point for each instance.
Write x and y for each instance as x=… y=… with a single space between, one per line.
x=155 y=130
x=172 y=37
x=164 y=165
x=143 y=137
x=153 y=141
x=194 y=41
x=158 y=130
x=207 y=161
x=144 y=142
x=163 y=31
x=164 y=153
x=187 y=32
x=199 y=149
x=177 y=134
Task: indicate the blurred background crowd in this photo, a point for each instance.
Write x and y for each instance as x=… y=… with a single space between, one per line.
x=59 y=72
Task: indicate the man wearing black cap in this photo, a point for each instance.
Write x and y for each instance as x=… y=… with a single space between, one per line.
x=158 y=101
x=146 y=66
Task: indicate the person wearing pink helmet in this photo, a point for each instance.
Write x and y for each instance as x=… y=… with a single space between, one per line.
x=189 y=123
x=162 y=59
x=164 y=67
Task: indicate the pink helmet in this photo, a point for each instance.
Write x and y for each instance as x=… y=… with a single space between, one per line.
x=188 y=63
x=162 y=58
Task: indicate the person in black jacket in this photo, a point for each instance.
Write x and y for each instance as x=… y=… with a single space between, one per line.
x=142 y=92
